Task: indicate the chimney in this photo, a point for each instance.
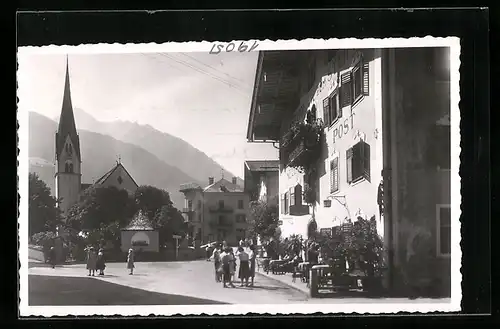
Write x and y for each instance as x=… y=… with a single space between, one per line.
x=210 y=180
x=234 y=180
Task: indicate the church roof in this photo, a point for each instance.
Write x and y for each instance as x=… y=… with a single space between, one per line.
x=109 y=173
x=223 y=185
x=140 y=222
x=67 y=121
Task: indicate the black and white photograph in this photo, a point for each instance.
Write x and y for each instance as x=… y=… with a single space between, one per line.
x=294 y=176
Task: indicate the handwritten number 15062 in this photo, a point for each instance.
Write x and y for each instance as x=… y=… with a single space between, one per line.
x=217 y=48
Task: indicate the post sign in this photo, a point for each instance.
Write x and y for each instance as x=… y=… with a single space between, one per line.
x=343 y=128
x=176 y=237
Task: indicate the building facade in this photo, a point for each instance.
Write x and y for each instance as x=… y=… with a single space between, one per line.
x=68 y=176
x=262 y=180
x=382 y=150
x=217 y=212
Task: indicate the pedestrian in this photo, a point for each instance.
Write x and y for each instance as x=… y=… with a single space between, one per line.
x=252 y=257
x=101 y=265
x=91 y=261
x=52 y=257
x=244 y=272
x=207 y=252
x=227 y=259
x=217 y=263
x=130 y=261
x=233 y=264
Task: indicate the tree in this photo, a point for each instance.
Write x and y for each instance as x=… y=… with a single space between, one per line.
x=263 y=219
x=100 y=207
x=43 y=213
x=158 y=206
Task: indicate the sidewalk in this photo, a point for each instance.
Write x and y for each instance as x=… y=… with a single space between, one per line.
x=287 y=280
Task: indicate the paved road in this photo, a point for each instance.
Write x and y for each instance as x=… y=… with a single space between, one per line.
x=152 y=283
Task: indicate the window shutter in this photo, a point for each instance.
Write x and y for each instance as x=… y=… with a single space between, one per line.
x=357 y=162
x=286 y=203
x=345 y=89
x=326 y=110
x=298 y=195
x=334 y=175
x=366 y=79
x=349 y=154
x=292 y=197
x=365 y=154
x=283 y=203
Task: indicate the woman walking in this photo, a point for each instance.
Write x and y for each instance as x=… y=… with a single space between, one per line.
x=91 y=261
x=244 y=272
x=100 y=262
x=251 y=257
x=217 y=263
x=130 y=261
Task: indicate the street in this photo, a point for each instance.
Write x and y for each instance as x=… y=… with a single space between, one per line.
x=161 y=283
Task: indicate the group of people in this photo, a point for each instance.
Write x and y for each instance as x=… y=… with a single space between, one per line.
x=225 y=264
x=95 y=261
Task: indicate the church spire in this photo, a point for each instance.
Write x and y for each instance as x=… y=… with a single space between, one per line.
x=67 y=119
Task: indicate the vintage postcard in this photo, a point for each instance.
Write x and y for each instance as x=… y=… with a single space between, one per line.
x=253 y=176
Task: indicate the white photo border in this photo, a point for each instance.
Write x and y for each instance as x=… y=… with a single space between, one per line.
x=382 y=306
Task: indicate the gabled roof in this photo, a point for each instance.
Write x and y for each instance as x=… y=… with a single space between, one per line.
x=262 y=165
x=223 y=186
x=109 y=173
x=67 y=121
x=140 y=222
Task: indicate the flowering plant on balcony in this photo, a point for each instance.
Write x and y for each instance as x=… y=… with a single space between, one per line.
x=302 y=143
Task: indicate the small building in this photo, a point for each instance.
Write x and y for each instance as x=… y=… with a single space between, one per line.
x=217 y=212
x=262 y=180
x=140 y=235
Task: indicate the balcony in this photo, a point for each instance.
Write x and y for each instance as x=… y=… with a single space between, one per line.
x=221 y=224
x=301 y=145
x=218 y=209
x=299 y=210
x=187 y=210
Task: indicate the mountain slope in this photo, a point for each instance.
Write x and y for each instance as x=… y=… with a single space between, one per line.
x=99 y=154
x=170 y=149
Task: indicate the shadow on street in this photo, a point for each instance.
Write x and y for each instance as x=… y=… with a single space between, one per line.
x=51 y=290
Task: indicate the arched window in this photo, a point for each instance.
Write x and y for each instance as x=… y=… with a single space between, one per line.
x=70 y=167
x=66 y=167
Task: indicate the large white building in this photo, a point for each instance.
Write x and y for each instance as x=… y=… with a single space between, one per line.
x=372 y=128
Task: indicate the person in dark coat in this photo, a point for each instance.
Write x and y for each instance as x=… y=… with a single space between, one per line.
x=100 y=263
x=52 y=257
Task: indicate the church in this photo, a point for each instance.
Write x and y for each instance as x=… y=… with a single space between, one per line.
x=68 y=176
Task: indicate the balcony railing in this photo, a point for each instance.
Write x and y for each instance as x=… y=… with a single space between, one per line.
x=302 y=143
x=187 y=210
x=219 y=209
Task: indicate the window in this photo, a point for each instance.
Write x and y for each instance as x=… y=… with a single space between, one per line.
x=199 y=204
x=221 y=204
x=190 y=204
x=240 y=218
x=222 y=220
x=240 y=234
x=282 y=204
x=199 y=217
x=345 y=90
x=292 y=197
x=358 y=162
x=68 y=167
x=360 y=85
x=443 y=234
x=439 y=145
x=120 y=180
x=240 y=204
x=334 y=175
x=331 y=109
x=297 y=197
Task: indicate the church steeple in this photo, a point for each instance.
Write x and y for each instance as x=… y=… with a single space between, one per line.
x=67 y=120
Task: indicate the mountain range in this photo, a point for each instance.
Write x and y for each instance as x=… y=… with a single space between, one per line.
x=152 y=157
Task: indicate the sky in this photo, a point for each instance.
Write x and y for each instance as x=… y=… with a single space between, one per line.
x=202 y=98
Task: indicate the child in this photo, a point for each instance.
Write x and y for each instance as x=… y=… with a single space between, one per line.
x=130 y=261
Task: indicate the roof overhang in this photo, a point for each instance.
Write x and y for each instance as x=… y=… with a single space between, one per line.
x=275 y=93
